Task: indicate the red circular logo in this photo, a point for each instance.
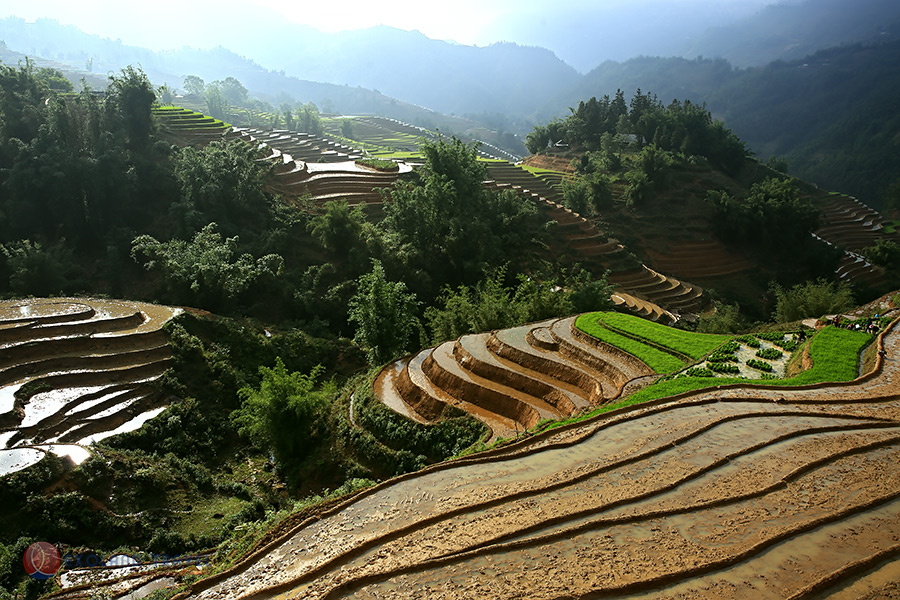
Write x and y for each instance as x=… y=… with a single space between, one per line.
x=41 y=560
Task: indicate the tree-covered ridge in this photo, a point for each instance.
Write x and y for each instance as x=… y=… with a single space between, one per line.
x=681 y=127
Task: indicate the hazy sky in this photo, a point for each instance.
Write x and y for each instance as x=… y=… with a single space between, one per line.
x=154 y=24
x=160 y=25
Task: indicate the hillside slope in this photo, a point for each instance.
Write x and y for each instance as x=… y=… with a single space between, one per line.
x=787 y=490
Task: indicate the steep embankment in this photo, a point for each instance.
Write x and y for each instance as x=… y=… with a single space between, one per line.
x=747 y=490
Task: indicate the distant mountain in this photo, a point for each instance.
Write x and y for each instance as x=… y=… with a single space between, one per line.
x=92 y=57
x=446 y=77
x=586 y=34
x=833 y=114
x=668 y=78
x=788 y=31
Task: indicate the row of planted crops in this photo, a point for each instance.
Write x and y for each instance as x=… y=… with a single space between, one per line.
x=690 y=361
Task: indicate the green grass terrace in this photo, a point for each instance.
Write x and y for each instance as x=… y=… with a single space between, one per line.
x=834 y=353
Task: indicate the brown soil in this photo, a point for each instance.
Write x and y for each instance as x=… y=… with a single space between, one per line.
x=554 y=163
x=730 y=493
x=87 y=362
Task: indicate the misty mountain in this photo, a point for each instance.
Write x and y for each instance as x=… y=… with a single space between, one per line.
x=788 y=31
x=668 y=78
x=585 y=36
x=446 y=77
x=832 y=114
x=82 y=55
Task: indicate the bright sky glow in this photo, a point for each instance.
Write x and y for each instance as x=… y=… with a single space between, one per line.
x=581 y=32
x=156 y=26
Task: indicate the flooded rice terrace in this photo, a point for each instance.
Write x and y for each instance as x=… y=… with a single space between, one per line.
x=73 y=371
x=730 y=493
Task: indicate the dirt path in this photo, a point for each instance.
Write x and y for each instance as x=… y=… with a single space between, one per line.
x=733 y=493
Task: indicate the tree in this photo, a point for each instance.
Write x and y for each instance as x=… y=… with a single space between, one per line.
x=22 y=102
x=638 y=189
x=165 y=94
x=773 y=214
x=35 y=269
x=340 y=229
x=234 y=91
x=221 y=182
x=133 y=96
x=778 y=163
x=884 y=253
x=812 y=299
x=347 y=128
x=491 y=304
x=587 y=293
x=286 y=414
x=216 y=103
x=194 y=85
x=308 y=119
x=891 y=199
x=537 y=140
x=385 y=316
x=576 y=195
x=206 y=269
x=429 y=226
x=655 y=163
x=726 y=318
x=288 y=113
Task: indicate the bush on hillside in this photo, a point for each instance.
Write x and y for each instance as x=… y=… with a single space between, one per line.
x=286 y=414
x=812 y=299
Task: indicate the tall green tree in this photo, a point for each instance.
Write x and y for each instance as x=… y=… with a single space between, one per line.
x=287 y=414
x=385 y=316
x=206 y=271
x=774 y=213
x=431 y=225
x=812 y=299
x=221 y=182
x=216 y=103
x=194 y=85
x=133 y=96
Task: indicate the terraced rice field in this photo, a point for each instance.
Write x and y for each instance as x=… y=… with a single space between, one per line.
x=73 y=371
x=740 y=492
x=701 y=260
x=850 y=225
x=641 y=290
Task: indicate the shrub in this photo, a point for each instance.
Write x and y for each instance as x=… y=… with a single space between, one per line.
x=699 y=372
x=749 y=340
x=788 y=345
x=759 y=365
x=721 y=357
x=769 y=353
x=812 y=299
x=723 y=368
x=287 y=413
x=729 y=347
x=771 y=336
x=726 y=319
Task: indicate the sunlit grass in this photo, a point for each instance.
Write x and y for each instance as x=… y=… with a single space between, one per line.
x=656 y=359
x=694 y=345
